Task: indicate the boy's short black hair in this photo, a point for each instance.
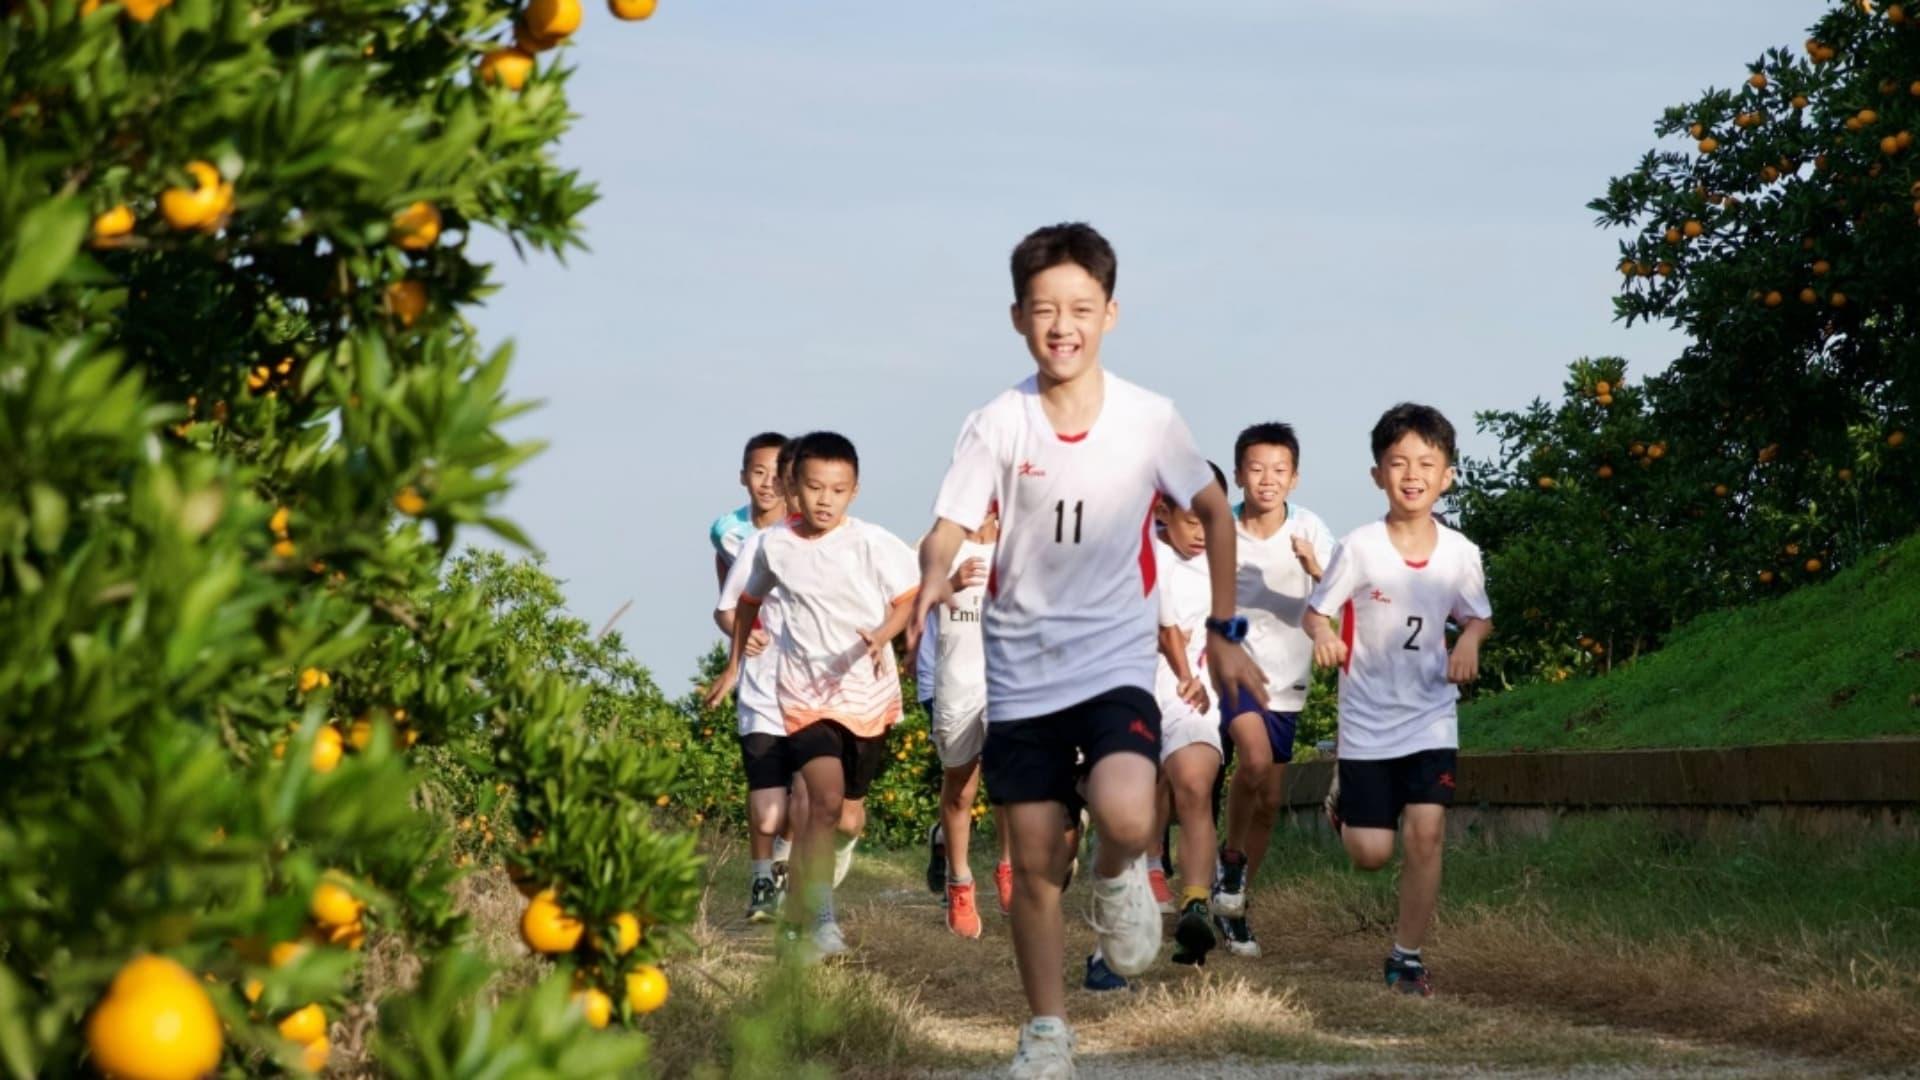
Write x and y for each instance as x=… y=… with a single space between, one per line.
x=825 y=446
x=1408 y=418
x=1268 y=434
x=763 y=441
x=1218 y=478
x=1073 y=242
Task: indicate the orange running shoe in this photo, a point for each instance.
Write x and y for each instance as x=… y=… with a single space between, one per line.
x=1003 y=884
x=962 y=917
x=1162 y=893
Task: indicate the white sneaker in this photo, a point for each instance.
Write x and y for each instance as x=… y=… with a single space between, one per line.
x=828 y=941
x=1128 y=925
x=843 y=861
x=1046 y=1052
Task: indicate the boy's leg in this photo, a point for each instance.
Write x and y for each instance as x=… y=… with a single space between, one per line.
x=1157 y=854
x=1119 y=733
x=1266 y=798
x=1190 y=771
x=1003 y=871
x=1040 y=859
x=814 y=850
x=1423 y=833
x=1254 y=754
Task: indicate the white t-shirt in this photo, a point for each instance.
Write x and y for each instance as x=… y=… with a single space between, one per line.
x=1395 y=699
x=1186 y=598
x=834 y=587
x=960 y=675
x=1070 y=609
x=759 y=704
x=1271 y=590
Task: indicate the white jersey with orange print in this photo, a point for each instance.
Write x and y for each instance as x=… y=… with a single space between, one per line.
x=758 y=701
x=1395 y=699
x=1070 y=610
x=1186 y=598
x=1271 y=590
x=834 y=587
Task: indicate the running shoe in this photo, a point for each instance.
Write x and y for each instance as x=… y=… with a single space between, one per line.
x=1237 y=934
x=936 y=859
x=1408 y=977
x=1003 y=884
x=1100 y=977
x=1230 y=888
x=1046 y=1052
x=764 y=904
x=1193 y=934
x=963 y=918
x=1128 y=923
x=1162 y=894
x=828 y=941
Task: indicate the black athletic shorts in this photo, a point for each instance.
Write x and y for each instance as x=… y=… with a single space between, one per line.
x=766 y=761
x=861 y=760
x=1042 y=758
x=1372 y=793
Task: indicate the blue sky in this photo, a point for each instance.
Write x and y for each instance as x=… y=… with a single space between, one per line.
x=1321 y=208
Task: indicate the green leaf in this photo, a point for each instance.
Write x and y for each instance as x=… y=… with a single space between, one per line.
x=48 y=239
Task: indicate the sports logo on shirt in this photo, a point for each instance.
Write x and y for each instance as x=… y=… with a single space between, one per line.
x=1028 y=468
x=1379 y=596
x=1139 y=727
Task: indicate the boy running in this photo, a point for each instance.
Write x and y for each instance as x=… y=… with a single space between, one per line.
x=846 y=588
x=760 y=475
x=1394 y=584
x=1076 y=459
x=1282 y=549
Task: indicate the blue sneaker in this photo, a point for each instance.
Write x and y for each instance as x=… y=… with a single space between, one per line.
x=1100 y=977
x=1408 y=977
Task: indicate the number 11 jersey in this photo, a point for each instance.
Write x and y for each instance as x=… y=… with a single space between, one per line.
x=1395 y=699
x=1070 y=611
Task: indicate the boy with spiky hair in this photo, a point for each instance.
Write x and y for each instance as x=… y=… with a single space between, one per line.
x=1394 y=584
x=1076 y=459
x=846 y=591
x=760 y=475
x=1282 y=550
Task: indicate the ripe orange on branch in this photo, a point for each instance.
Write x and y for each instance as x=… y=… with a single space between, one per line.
x=155 y=1023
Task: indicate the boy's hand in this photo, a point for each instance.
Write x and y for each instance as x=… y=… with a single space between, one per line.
x=1329 y=651
x=757 y=642
x=1303 y=550
x=971 y=573
x=934 y=591
x=877 y=648
x=722 y=686
x=1463 y=664
x=1194 y=692
x=1234 y=672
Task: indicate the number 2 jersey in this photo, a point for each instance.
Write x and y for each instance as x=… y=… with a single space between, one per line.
x=1071 y=611
x=1395 y=699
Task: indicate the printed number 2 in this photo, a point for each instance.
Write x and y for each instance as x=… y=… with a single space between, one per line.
x=1413 y=639
x=1060 y=520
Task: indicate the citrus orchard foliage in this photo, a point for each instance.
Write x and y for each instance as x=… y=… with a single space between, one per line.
x=241 y=423
x=1784 y=239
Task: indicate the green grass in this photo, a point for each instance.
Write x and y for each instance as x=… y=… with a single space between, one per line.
x=1839 y=660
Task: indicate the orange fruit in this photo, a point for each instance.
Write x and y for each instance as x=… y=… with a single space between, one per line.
x=626 y=933
x=1867 y=117
x=1698 y=131
x=1657 y=451
x=1914 y=88
x=201 y=206
x=1792 y=549
x=1813 y=566
x=1904 y=139
x=646 y=988
x=597 y=1006
x=1821 y=266
x=1773 y=298
x=553 y=18
x=1603 y=387
x=1769 y=452
x=1758 y=80
x=1663 y=268
x=1896 y=14
x=253 y=989
x=286 y=952
x=113 y=226
x=1799 y=101
x=506 y=67
x=352 y=935
x=1889 y=145
x=304 y=1025
x=1672 y=235
x=417 y=227
x=1845 y=475
x=326 y=750
x=360 y=732
x=547 y=928
x=1709 y=144
x=407 y=300
x=1605 y=400
x=145 y=10
x=631 y=10
x=1838 y=299
x=154 y=1023
x=1720 y=491
x=1808 y=296
x=1896 y=439
x=333 y=905
x=1605 y=472
x=409 y=502
x=1692 y=229
x=314 y=1057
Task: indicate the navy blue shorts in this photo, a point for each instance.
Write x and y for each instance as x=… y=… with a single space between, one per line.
x=1279 y=726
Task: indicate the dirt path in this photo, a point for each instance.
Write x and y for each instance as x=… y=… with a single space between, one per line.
x=1514 y=1002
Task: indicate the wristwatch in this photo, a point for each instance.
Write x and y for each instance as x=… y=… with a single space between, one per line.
x=1234 y=630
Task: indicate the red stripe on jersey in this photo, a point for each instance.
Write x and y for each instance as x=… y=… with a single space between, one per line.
x=1346 y=635
x=993 y=575
x=1072 y=438
x=1411 y=565
x=1149 y=569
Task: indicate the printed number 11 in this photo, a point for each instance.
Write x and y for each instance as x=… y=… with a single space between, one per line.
x=1060 y=520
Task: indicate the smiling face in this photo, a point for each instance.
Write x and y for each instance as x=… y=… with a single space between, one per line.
x=827 y=488
x=1414 y=473
x=761 y=479
x=1063 y=318
x=1266 y=477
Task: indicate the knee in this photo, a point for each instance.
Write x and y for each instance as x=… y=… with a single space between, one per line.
x=1371 y=855
x=1424 y=844
x=769 y=820
x=1267 y=797
x=1256 y=776
x=1131 y=829
x=1194 y=794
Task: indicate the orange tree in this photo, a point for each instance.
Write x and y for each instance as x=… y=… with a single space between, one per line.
x=241 y=424
x=1784 y=239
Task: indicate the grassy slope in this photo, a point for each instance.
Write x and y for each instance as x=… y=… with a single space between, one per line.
x=1840 y=660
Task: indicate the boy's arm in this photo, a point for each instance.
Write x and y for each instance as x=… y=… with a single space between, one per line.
x=1328 y=650
x=744 y=617
x=936 y=557
x=720 y=567
x=1463 y=664
x=1234 y=672
x=880 y=640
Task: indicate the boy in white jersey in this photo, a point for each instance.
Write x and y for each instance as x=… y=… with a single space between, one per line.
x=759 y=474
x=763 y=735
x=1282 y=549
x=1394 y=584
x=1076 y=459
x=1190 y=752
x=846 y=591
